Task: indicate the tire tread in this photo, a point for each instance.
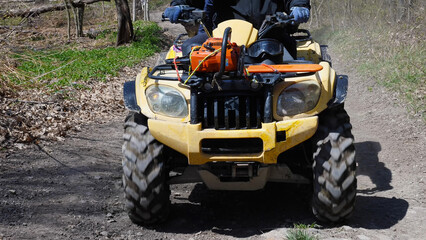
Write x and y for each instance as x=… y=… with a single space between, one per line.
x=144 y=175
x=334 y=167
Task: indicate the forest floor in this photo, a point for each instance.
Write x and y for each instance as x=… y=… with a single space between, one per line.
x=71 y=189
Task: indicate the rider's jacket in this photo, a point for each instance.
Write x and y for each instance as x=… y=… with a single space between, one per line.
x=253 y=11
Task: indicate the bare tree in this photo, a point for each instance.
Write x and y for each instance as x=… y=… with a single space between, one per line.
x=68 y=20
x=125 y=26
x=145 y=9
x=140 y=8
x=79 y=18
x=134 y=10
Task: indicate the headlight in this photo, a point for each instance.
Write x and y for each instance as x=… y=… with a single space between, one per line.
x=167 y=101
x=298 y=98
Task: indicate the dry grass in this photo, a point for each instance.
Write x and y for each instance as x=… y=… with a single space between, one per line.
x=381 y=46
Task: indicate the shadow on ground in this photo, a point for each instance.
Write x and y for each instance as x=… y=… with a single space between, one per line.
x=367 y=157
x=240 y=214
x=245 y=214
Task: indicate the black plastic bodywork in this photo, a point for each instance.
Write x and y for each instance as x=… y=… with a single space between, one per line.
x=129 y=95
x=340 y=91
x=232 y=145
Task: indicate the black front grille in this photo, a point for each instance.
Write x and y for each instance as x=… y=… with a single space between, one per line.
x=232 y=146
x=232 y=112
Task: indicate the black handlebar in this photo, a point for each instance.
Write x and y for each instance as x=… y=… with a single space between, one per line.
x=188 y=15
x=223 y=53
x=278 y=19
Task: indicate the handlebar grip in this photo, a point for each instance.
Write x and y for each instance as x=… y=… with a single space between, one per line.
x=178 y=21
x=283 y=16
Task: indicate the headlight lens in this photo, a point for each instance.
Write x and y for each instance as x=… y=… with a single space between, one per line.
x=166 y=101
x=298 y=98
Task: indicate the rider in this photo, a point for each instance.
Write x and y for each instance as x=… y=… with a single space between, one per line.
x=253 y=11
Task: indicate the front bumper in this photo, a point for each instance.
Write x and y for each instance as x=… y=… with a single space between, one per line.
x=186 y=138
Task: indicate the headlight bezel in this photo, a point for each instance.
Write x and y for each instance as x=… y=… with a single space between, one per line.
x=308 y=91
x=156 y=99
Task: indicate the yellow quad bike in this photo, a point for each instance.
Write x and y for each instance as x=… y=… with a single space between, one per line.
x=235 y=113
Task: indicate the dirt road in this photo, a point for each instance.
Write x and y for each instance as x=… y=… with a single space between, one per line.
x=72 y=189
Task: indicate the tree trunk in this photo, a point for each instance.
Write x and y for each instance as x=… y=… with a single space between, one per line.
x=31 y=12
x=68 y=20
x=125 y=26
x=134 y=10
x=139 y=10
x=74 y=12
x=146 y=11
x=80 y=16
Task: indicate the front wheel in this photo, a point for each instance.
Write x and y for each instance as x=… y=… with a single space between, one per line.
x=144 y=176
x=334 y=166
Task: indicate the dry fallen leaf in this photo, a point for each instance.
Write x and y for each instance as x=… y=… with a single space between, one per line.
x=36 y=114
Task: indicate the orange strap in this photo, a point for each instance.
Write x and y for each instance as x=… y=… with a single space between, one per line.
x=284 y=68
x=177 y=70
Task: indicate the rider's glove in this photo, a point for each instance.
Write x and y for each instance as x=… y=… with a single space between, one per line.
x=300 y=14
x=172 y=13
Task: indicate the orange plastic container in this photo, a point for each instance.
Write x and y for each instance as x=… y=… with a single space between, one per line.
x=212 y=63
